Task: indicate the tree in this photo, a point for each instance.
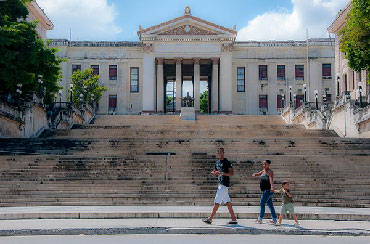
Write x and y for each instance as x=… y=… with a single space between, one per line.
x=24 y=56
x=356 y=36
x=86 y=87
x=204 y=102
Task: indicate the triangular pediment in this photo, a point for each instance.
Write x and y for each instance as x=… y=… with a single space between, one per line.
x=188 y=29
x=187 y=25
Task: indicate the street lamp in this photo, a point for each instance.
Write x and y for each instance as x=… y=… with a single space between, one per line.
x=92 y=99
x=360 y=90
x=290 y=95
x=19 y=92
x=85 y=93
x=40 y=85
x=294 y=101
x=305 y=92
x=317 y=99
x=338 y=85
x=60 y=98
x=81 y=98
x=283 y=100
x=70 y=92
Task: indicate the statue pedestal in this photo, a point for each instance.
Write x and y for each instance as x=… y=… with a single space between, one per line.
x=187 y=113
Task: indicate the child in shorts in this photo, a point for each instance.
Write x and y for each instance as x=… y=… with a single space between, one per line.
x=287 y=200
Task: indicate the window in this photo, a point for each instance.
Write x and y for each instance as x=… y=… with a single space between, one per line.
x=299 y=99
x=326 y=71
x=281 y=72
x=112 y=102
x=112 y=72
x=299 y=72
x=76 y=67
x=95 y=69
x=263 y=102
x=134 y=75
x=262 y=72
x=280 y=101
x=241 y=80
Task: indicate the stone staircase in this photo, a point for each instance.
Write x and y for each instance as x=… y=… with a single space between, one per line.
x=161 y=160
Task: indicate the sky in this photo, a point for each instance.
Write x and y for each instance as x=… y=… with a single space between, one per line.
x=261 y=20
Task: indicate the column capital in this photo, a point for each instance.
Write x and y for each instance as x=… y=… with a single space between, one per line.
x=178 y=61
x=160 y=61
x=215 y=61
x=196 y=61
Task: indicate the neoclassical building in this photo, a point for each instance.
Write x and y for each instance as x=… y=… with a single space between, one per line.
x=347 y=80
x=176 y=61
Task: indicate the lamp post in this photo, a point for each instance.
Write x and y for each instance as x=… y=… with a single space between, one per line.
x=81 y=98
x=40 y=85
x=85 y=93
x=70 y=92
x=283 y=100
x=92 y=99
x=60 y=98
x=294 y=101
x=338 y=85
x=360 y=90
x=305 y=92
x=317 y=99
x=290 y=95
x=19 y=92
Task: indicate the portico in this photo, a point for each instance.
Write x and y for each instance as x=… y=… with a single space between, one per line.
x=182 y=54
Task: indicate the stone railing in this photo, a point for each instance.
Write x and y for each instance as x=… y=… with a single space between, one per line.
x=31 y=118
x=344 y=116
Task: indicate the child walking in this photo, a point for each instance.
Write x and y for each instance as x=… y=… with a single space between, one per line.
x=287 y=200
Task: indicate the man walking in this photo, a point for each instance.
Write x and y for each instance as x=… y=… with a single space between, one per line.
x=223 y=170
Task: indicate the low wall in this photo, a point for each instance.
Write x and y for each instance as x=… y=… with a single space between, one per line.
x=345 y=118
x=29 y=122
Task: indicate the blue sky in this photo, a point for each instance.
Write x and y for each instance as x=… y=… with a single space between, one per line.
x=113 y=20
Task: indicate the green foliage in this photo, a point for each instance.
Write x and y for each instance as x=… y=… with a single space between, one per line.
x=23 y=56
x=356 y=36
x=204 y=102
x=82 y=79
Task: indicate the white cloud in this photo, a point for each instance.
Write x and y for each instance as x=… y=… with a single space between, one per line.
x=314 y=15
x=89 y=19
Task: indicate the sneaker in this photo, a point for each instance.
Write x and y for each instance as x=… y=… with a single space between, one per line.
x=296 y=224
x=259 y=221
x=232 y=222
x=207 y=221
x=273 y=222
x=278 y=224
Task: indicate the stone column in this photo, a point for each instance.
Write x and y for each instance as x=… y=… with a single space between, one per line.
x=160 y=86
x=214 y=95
x=148 y=83
x=178 y=84
x=226 y=82
x=197 y=84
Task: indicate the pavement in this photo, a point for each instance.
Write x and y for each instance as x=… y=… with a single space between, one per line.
x=178 y=226
x=125 y=212
x=115 y=220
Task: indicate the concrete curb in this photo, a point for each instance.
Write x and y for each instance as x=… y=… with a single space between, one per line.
x=161 y=214
x=166 y=230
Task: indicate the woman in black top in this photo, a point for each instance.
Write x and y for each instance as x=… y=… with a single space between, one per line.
x=267 y=188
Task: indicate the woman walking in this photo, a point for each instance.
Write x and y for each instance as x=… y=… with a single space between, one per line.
x=267 y=188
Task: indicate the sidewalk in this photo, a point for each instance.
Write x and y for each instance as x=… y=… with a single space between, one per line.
x=178 y=226
x=126 y=212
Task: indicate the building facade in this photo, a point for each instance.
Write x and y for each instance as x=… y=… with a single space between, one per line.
x=347 y=80
x=177 y=61
x=37 y=14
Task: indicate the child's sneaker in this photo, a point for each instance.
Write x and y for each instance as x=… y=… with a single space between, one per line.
x=259 y=221
x=296 y=224
x=278 y=224
x=207 y=221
